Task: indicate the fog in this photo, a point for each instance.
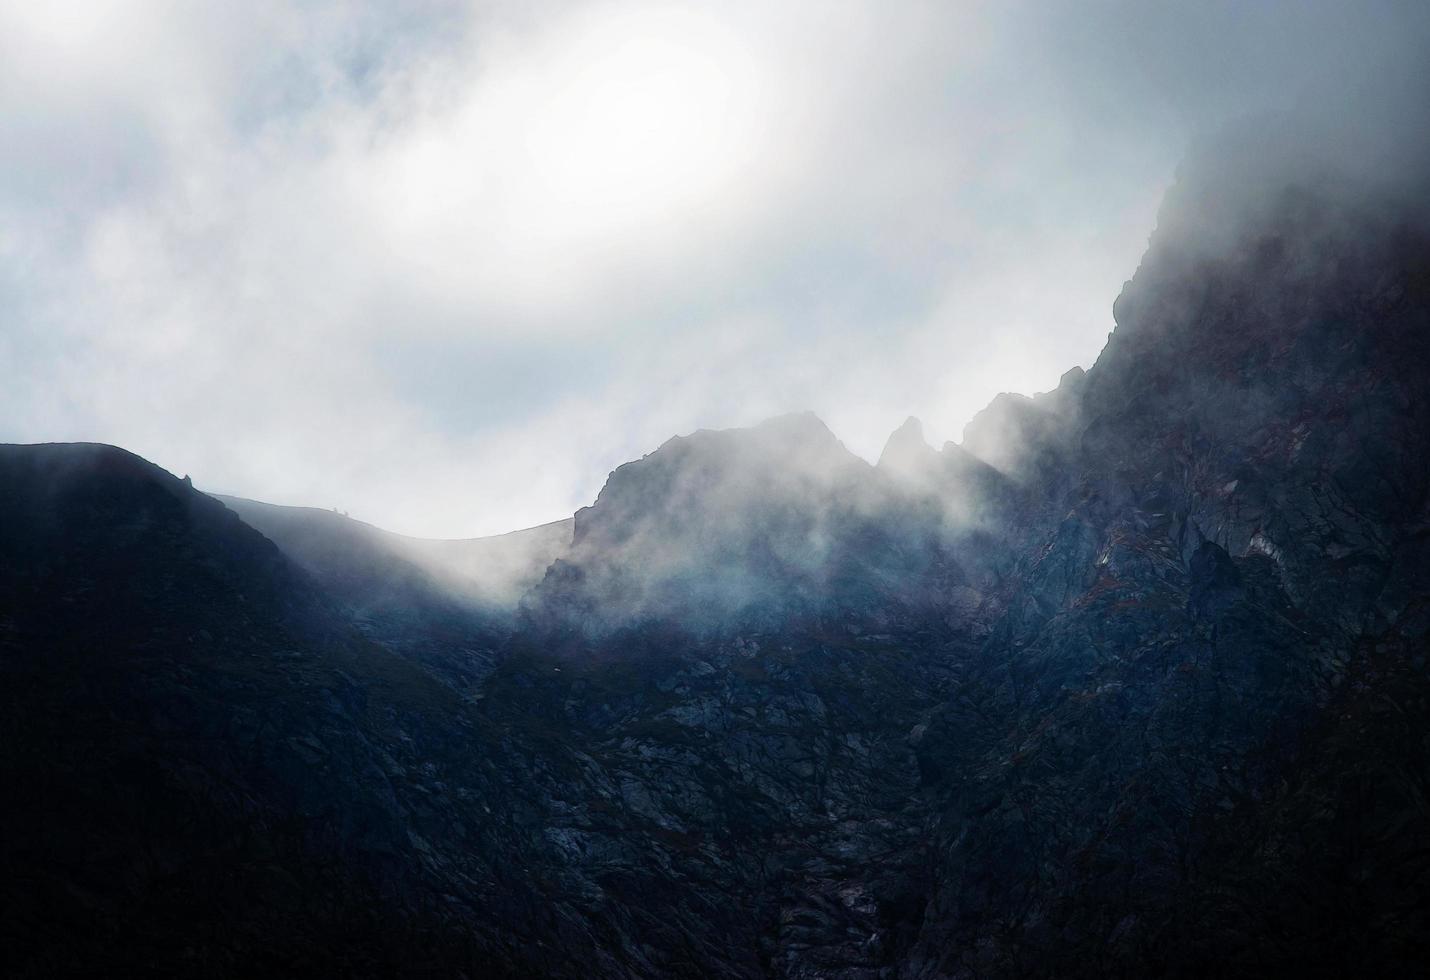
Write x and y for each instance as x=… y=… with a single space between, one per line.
x=444 y=266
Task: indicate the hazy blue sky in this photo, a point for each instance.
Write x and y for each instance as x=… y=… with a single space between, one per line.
x=444 y=265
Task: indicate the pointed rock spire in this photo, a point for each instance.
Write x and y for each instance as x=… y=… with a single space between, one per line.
x=907 y=452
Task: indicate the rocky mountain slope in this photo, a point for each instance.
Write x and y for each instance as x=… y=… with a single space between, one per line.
x=771 y=525
x=1234 y=573
x=203 y=759
x=448 y=603
x=1131 y=682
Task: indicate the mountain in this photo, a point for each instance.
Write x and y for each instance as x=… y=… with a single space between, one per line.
x=722 y=530
x=206 y=766
x=366 y=563
x=1227 y=593
x=502 y=567
x=448 y=604
x=1131 y=682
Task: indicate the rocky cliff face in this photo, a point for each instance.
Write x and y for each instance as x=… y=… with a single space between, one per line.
x=761 y=527
x=1132 y=682
x=1234 y=569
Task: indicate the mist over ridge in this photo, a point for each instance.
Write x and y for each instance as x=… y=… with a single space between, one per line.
x=1119 y=672
x=1143 y=650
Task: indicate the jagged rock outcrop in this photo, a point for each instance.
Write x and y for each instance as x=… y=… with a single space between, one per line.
x=907 y=454
x=1236 y=563
x=717 y=530
x=1028 y=438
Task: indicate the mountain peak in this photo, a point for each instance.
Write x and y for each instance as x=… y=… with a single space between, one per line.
x=907 y=452
x=729 y=523
x=912 y=429
x=804 y=423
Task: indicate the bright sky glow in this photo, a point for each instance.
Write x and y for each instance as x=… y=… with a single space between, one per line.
x=444 y=265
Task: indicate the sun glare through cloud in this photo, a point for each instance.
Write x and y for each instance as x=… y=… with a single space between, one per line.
x=610 y=138
x=450 y=234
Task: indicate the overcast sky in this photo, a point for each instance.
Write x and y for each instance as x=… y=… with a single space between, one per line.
x=444 y=265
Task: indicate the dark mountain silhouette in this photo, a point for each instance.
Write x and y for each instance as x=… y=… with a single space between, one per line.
x=448 y=604
x=204 y=758
x=1130 y=682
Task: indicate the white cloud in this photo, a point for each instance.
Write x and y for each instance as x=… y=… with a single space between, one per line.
x=444 y=265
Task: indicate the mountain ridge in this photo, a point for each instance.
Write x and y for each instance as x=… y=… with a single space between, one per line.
x=1144 y=694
